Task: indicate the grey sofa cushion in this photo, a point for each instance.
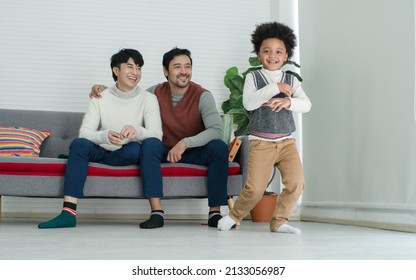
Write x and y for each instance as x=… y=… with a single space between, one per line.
x=64 y=128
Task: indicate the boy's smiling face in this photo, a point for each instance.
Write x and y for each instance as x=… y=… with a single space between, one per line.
x=272 y=54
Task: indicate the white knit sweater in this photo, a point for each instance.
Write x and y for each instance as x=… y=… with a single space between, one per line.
x=115 y=109
x=253 y=98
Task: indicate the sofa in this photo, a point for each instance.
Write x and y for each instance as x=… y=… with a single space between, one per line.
x=42 y=174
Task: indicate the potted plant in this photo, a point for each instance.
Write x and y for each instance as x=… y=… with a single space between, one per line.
x=263 y=211
x=233 y=106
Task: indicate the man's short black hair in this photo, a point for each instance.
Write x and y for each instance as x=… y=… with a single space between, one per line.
x=168 y=57
x=274 y=30
x=123 y=56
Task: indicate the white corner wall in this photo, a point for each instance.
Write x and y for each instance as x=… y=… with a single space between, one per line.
x=52 y=52
x=358 y=64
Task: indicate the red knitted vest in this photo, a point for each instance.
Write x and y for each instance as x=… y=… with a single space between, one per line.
x=183 y=120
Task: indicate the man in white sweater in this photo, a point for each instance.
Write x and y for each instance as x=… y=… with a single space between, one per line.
x=112 y=131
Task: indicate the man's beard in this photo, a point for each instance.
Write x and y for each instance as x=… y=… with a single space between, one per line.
x=180 y=84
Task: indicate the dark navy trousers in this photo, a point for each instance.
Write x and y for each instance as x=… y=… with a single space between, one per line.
x=82 y=151
x=214 y=155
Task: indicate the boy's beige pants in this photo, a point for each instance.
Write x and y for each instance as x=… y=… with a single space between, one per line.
x=263 y=155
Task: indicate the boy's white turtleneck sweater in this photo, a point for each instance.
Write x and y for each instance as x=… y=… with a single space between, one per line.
x=254 y=98
x=115 y=109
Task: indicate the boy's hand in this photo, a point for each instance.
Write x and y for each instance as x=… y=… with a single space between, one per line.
x=278 y=104
x=96 y=91
x=285 y=89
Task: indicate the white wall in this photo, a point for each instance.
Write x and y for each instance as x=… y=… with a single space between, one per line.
x=358 y=61
x=58 y=49
x=52 y=52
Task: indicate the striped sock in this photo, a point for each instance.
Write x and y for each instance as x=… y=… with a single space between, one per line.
x=67 y=218
x=213 y=218
x=70 y=207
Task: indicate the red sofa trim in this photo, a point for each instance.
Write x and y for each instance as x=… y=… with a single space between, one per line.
x=58 y=169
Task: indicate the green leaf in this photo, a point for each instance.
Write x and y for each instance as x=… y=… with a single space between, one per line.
x=236 y=112
x=230 y=74
x=226 y=106
x=232 y=71
x=291 y=63
x=236 y=97
x=236 y=82
x=254 y=61
x=241 y=126
x=249 y=70
x=295 y=74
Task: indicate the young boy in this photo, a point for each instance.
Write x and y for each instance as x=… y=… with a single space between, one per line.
x=111 y=132
x=271 y=95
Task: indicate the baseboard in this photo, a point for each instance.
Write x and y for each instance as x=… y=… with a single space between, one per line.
x=109 y=216
x=175 y=209
x=103 y=216
x=372 y=216
x=103 y=208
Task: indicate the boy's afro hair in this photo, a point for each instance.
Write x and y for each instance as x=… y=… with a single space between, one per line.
x=274 y=30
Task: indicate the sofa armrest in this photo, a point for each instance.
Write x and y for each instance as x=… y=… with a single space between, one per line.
x=242 y=157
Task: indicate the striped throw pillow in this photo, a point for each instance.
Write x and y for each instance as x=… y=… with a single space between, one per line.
x=21 y=141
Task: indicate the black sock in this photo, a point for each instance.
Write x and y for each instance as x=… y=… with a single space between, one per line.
x=156 y=220
x=70 y=205
x=213 y=218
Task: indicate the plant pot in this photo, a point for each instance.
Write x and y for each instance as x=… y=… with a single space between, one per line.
x=263 y=211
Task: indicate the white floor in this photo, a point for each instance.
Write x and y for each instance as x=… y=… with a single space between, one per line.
x=20 y=239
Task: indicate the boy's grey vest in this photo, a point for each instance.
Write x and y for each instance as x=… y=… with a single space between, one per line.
x=264 y=119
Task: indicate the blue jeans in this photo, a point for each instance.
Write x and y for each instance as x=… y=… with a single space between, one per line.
x=214 y=155
x=82 y=151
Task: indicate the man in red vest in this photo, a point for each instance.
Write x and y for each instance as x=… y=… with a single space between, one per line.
x=192 y=133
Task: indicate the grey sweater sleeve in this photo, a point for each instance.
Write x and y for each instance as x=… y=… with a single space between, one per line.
x=212 y=122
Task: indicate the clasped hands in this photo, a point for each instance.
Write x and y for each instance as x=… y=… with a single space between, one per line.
x=277 y=104
x=120 y=138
